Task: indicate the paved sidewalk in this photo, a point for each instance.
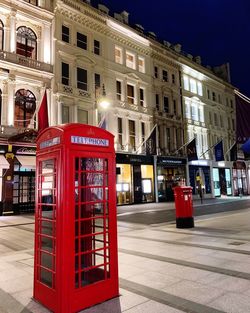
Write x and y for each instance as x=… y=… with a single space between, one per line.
x=205 y=269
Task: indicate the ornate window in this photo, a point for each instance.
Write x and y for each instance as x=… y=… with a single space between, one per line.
x=26 y=42
x=1 y=34
x=25 y=107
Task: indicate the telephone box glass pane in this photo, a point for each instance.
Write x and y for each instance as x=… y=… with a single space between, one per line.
x=46 y=221
x=91 y=221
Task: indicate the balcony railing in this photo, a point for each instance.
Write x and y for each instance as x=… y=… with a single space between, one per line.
x=73 y=91
x=27 y=62
x=132 y=107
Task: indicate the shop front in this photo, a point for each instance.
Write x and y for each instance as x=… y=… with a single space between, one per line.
x=200 y=178
x=18 y=178
x=222 y=178
x=171 y=172
x=134 y=179
x=240 y=185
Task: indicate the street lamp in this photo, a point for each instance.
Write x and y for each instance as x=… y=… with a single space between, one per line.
x=102 y=103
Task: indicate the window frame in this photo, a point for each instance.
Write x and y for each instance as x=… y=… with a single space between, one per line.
x=118 y=59
x=65 y=79
x=82 y=84
x=80 y=42
x=65 y=37
x=129 y=63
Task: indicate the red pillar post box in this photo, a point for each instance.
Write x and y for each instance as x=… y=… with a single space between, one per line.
x=75 y=220
x=184 y=207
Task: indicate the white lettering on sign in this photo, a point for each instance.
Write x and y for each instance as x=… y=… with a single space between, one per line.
x=90 y=141
x=50 y=142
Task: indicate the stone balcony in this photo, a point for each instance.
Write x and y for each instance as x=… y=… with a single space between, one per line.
x=23 y=61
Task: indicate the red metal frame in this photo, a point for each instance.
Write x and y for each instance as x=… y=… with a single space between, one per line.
x=75 y=224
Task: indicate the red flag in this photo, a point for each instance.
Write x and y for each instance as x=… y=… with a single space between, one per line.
x=43 y=119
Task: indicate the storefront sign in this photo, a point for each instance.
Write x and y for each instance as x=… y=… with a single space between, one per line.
x=26 y=151
x=50 y=143
x=90 y=141
x=133 y=159
x=170 y=161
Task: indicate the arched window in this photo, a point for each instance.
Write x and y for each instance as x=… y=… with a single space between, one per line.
x=1 y=35
x=25 y=107
x=26 y=42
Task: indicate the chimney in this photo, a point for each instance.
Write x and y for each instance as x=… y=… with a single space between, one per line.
x=125 y=15
x=139 y=28
x=197 y=59
x=177 y=47
x=166 y=43
x=118 y=17
x=103 y=9
x=152 y=35
x=190 y=56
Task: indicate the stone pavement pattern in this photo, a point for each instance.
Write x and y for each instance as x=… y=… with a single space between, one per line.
x=162 y=269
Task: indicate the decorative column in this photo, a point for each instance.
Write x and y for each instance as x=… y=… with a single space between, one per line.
x=11 y=102
x=13 y=31
x=4 y=102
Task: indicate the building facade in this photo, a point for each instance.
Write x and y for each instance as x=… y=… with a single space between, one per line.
x=77 y=52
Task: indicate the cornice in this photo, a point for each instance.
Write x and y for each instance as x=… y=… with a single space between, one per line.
x=98 y=24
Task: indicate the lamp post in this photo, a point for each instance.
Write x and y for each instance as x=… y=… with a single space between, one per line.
x=102 y=103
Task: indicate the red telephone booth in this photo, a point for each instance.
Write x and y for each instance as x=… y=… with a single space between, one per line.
x=75 y=220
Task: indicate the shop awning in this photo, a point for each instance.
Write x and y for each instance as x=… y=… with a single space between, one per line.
x=3 y=162
x=27 y=161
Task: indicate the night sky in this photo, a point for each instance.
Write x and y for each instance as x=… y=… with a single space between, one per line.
x=217 y=30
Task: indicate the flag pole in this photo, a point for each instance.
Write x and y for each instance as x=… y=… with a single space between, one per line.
x=185 y=144
x=230 y=148
x=146 y=139
x=210 y=148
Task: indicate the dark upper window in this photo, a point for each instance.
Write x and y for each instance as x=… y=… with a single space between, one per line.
x=97 y=80
x=97 y=47
x=173 y=78
x=26 y=42
x=82 y=79
x=157 y=102
x=81 y=41
x=165 y=76
x=142 y=97
x=65 y=33
x=156 y=72
x=1 y=34
x=25 y=107
x=65 y=73
x=213 y=96
x=165 y=105
x=34 y=2
x=118 y=90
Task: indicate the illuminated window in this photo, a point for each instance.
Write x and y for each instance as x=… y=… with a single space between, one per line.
x=130 y=60
x=199 y=87
x=186 y=82
x=194 y=112
x=118 y=55
x=25 y=107
x=141 y=64
x=193 y=86
x=201 y=114
x=26 y=42
x=187 y=109
x=130 y=94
